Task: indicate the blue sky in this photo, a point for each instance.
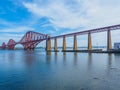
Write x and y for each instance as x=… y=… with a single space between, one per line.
x=57 y=17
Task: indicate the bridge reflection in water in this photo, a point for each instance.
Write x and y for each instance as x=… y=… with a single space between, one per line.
x=29 y=70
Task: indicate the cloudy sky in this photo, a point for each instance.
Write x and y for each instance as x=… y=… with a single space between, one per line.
x=57 y=17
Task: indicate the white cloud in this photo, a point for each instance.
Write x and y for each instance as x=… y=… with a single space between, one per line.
x=5 y=37
x=18 y=29
x=103 y=12
x=60 y=14
x=9 y=33
x=5 y=23
x=77 y=13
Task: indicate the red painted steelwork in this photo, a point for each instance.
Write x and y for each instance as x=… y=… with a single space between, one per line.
x=11 y=44
x=31 y=39
x=3 y=45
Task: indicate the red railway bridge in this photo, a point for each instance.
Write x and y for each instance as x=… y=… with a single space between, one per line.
x=31 y=39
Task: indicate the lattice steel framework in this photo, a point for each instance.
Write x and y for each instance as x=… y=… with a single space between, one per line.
x=31 y=39
x=3 y=45
x=11 y=44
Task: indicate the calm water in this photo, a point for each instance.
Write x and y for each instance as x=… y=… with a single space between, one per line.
x=37 y=70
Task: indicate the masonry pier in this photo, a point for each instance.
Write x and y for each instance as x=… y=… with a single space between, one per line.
x=55 y=45
x=89 y=41
x=64 y=44
x=109 y=41
x=48 y=43
x=75 y=43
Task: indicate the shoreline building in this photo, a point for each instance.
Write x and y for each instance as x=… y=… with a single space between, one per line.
x=117 y=46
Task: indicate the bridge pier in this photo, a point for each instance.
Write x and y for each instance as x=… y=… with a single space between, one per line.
x=64 y=43
x=109 y=41
x=48 y=43
x=32 y=47
x=89 y=41
x=27 y=46
x=75 y=43
x=11 y=47
x=55 y=45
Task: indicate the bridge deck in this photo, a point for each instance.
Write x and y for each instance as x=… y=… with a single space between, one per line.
x=103 y=29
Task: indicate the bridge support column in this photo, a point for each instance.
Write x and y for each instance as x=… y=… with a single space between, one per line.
x=75 y=43
x=109 y=42
x=48 y=43
x=55 y=45
x=89 y=41
x=64 y=43
x=11 y=47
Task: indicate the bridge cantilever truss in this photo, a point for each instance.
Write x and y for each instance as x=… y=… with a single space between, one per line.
x=11 y=44
x=3 y=45
x=31 y=39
